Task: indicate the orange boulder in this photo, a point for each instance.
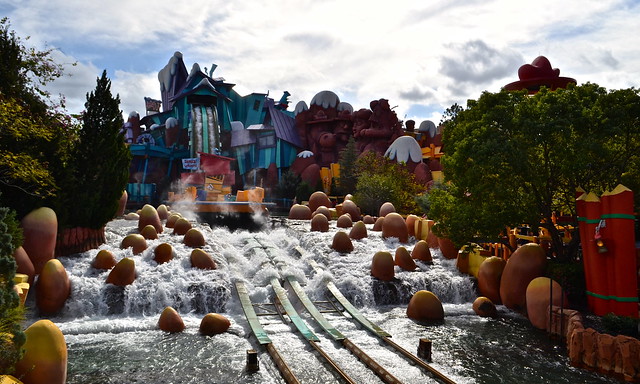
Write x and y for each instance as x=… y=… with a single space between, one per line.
x=170 y=321
x=489 y=275
x=171 y=220
x=214 y=324
x=40 y=230
x=299 y=212
x=352 y=209
x=181 y=226
x=149 y=216
x=317 y=199
x=382 y=266
x=377 y=226
x=395 y=226
x=122 y=204
x=538 y=293
x=149 y=232
x=425 y=306
x=53 y=287
x=201 y=259
x=448 y=249
x=341 y=242
x=385 y=209
x=323 y=210
x=422 y=252
x=358 y=231
x=344 y=221
x=525 y=264
x=163 y=253
x=484 y=307
x=320 y=223
x=410 y=221
x=24 y=263
x=104 y=260
x=124 y=273
x=404 y=260
x=369 y=220
x=45 y=355
x=194 y=238
x=163 y=212
x=135 y=241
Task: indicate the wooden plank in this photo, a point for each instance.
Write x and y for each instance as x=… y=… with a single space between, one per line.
x=250 y=314
x=291 y=312
x=319 y=317
x=353 y=311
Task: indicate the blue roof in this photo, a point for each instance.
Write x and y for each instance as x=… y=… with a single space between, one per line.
x=242 y=137
x=283 y=124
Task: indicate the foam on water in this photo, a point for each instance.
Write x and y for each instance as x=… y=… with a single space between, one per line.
x=112 y=332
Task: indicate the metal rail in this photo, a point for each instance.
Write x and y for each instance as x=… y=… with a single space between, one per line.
x=262 y=336
x=385 y=375
x=306 y=332
x=376 y=330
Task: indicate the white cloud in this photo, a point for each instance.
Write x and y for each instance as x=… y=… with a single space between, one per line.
x=410 y=52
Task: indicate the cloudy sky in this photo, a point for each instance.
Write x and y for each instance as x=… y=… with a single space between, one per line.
x=422 y=55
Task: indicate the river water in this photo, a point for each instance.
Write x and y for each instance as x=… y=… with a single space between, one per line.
x=112 y=334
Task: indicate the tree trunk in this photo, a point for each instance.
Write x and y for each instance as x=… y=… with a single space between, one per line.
x=79 y=239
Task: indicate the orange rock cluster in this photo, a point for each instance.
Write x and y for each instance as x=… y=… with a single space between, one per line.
x=617 y=356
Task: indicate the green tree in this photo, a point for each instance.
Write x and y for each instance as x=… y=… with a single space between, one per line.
x=35 y=135
x=382 y=180
x=11 y=313
x=513 y=158
x=347 y=161
x=287 y=185
x=98 y=169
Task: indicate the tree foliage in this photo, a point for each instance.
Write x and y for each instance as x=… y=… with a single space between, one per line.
x=35 y=137
x=382 y=180
x=11 y=314
x=98 y=168
x=513 y=158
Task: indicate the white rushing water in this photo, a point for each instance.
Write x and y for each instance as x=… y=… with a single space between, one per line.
x=112 y=333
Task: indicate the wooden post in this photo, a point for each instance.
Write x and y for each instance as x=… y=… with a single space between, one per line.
x=252 y=361
x=424 y=349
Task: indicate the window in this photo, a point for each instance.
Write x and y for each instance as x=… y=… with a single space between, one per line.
x=267 y=141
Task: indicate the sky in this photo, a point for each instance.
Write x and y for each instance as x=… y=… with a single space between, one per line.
x=423 y=55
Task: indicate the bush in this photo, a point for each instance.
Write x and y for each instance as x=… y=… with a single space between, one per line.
x=11 y=313
x=620 y=325
x=381 y=180
x=287 y=185
x=303 y=191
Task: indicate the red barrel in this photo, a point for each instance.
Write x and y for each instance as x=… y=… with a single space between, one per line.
x=589 y=209
x=619 y=238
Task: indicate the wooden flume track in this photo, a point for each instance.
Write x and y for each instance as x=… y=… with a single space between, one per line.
x=283 y=303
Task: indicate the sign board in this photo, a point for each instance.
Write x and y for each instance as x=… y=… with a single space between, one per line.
x=191 y=163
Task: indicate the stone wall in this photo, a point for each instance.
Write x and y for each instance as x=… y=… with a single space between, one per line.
x=617 y=356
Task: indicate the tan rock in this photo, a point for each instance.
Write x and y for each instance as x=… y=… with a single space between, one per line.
x=317 y=199
x=344 y=221
x=606 y=353
x=403 y=259
x=358 y=231
x=590 y=348
x=395 y=226
x=299 y=212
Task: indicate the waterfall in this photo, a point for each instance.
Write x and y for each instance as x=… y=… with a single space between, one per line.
x=196 y=135
x=212 y=129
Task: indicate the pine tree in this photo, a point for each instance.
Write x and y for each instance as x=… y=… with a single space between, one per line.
x=98 y=170
x=348 y=158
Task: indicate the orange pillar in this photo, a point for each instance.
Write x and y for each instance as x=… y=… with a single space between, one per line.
x=588 y=207
x=619 y=238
